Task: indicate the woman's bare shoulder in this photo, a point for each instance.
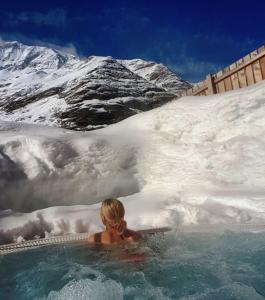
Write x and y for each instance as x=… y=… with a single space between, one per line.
x=100 y=238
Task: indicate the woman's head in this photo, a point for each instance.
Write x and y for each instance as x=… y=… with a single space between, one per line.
x=112 y=214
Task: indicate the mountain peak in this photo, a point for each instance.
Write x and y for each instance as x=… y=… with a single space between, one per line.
x=42 y=85
x=17 y=56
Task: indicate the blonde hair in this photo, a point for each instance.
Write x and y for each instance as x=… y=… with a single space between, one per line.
x=112 y=213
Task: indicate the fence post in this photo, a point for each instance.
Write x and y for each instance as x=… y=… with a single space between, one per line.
x=210 y=84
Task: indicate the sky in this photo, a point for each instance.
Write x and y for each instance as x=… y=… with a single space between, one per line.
x=192 y=38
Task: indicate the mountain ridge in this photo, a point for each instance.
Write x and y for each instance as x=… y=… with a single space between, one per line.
x=42 y=85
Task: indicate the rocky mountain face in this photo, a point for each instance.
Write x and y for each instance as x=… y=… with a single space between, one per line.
x=42 y=85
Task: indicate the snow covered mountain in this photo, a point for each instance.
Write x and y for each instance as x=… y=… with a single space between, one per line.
x=42 y=85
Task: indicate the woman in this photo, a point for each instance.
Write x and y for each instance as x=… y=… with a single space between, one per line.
x=112 y=214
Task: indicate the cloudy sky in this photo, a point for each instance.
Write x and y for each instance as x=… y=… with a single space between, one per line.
x=193 y=38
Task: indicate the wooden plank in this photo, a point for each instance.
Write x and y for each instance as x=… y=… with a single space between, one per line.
x=242 y=78
x=199 y=90
x=232 y=66
x=262 y=66
x=249 y=75
x=256 y=67
x=228 y=84
x=217 y=88
x=246 y=71
x=226 y=70
x=234 y=77
x=235 y=81
x=257 y=71
x=246 y=58
x=253 y=53
x=200 y=93
x=210 y=85
x=261 y=49
x=240 y=62
x=219 y=74
x=240 y=65
x=221 y=85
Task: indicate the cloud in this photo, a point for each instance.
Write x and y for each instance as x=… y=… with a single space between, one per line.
x=193 y=69
x=68 y=48
x=188 y=64
x=209 y=54
x=65 y=48
x=126 y=32
x=194 y=56
x=56 y=17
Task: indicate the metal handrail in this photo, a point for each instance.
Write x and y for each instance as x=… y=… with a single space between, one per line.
x=83 y=237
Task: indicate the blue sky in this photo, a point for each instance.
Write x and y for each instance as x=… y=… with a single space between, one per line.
x=192 y=38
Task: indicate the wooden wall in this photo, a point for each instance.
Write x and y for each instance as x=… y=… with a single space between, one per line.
x=244 y=72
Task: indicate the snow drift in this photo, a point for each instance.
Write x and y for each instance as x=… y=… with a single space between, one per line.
x=196 y=160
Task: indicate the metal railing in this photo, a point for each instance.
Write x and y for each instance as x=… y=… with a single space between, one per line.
x=83 y=237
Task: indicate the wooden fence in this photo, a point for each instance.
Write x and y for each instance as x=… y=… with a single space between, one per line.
x=244 y=72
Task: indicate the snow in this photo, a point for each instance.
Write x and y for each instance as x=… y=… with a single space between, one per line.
x=14 y=56
x=156 y=73
x=33 y=74
x=80 y=70
x=39 y=112
x=194 y=161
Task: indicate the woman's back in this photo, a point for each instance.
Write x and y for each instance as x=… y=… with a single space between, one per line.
x=109 y=237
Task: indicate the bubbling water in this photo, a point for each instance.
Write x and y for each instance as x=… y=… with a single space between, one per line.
x=177 y=266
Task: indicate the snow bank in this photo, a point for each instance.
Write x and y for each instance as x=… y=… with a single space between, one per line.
x=196 y=160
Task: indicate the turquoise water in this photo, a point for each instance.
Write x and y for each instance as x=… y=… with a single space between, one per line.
x=177 y=266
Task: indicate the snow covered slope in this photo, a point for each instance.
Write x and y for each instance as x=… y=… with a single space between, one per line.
x=40 y=85
x=198 y=160
x=158 y=74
